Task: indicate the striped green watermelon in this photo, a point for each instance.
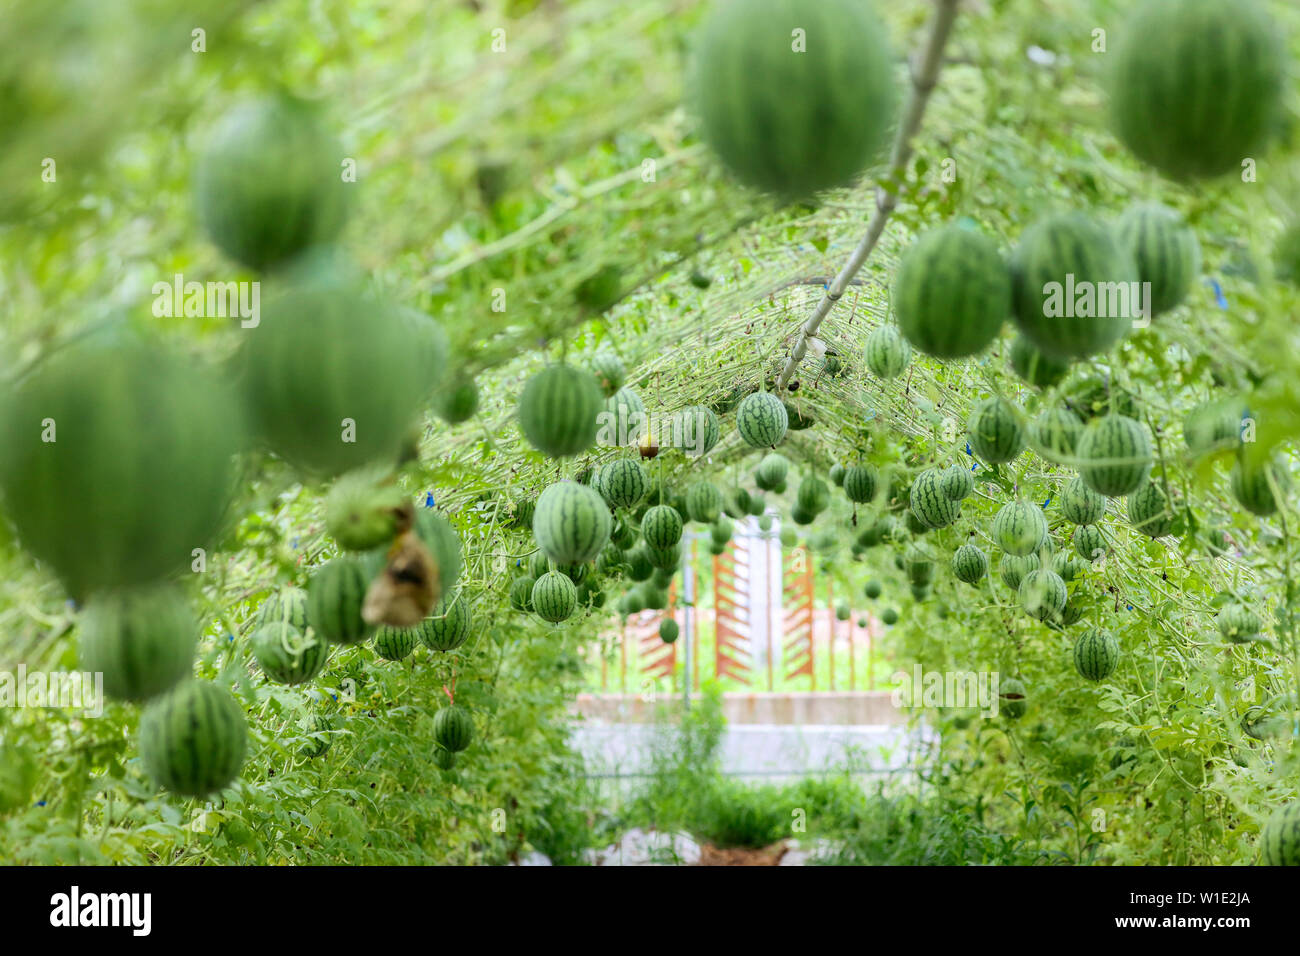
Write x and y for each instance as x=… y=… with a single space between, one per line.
x=555 y=597
x=790 y=120
x=1150 y=511
x=436 y=533
x=1197 y=86
x=330 y=393
x=572 y=523
x=539 y=563
x=639 y=566
x=1114 y=455
x=1089 y=542
x=395 y=643
x=1080 y=504
x=994 y=430
x=453 y=728
x=918 y=564
x=1055 y=434
x=722 y=530
x=268 y=185
x=447 y=628
x=1073 y=612
x=1238 y=624
x=970 y=563
x=1020 y=528
x=118 y=461
x=1166 y=250
x=362 y=510
x=771 y=471
x=757 y=506
x=952 y=292
x=802 y=516
x=887 y=352
x=1042 y=593
x=456 y=401
x=558 y=410
x=624 y=533
x=930 y=503
x=761 y=420
x=661 y=527
x=193 y=739
x=521 y=592
x=665 y=558
x=668 y=630
x=813 y=495
x=141 y=639
x=958 y=483
x=1013 y=568
x=609 y=371
x=286 y=606
x=696 y=430
x=1096 y=654
x=1073 y=286
x=736 y=505
x=1013 y=698
x=623 y=482
x=1257 y=484
x=1090 y=396
x=1214 y=425
x=288 y=655
x=836 y=475
x=703 y=502
x=654 y=598
x=1069 y=566
x=316 y=728
x=623 y=420
x=1033 y=366
x=444 y=760
x=335 y=594
x=920 y=592
x=860 y=483
x=1279 y=840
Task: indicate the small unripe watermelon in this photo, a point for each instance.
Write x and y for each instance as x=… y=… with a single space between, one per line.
x=860 y=483
x=721 y=532
x=836 y=475
x=696 y=430
x=558 y=410
x=930 y=503
x=1114 y=455
x=1149 y=510
x=335 y=595
x=1089 y=542
x=288 y=655
x=623 y=482
x=661 y=527
x=1238 y=624
x=395 y=643
x=1013 y=698
x=1166 y=250
x=1214 y=425
x=668 y=630
x=1055 y=434
x=887 y=352
x=453 y=728
x=665 y=558
x=1080 y=504
x=1020 y=528
x=609 y=371
x=958 y=483
x=761 y=420
x=269 y=182
x=952 y=292
x=703 y=502
x=193 y=739
x=794 y=97
x=521 y=592
x=813 y=495
x=994 y=431
x=316 y=727
x=623 y=421
x=1280 y=839
x=447 y=628
x=555 y=597
x=1013 y=568
x=970 y=563
x=362 y=510
x=889 y=616
x=1253 y=482
x=1033 y=366
x=771 y=471
x=456 y=401
x=1090 y=396
x=873 y=589
x=141 y=639
x=1197 y=85
x=1096 y=654
x=1042 y=593
x=1073 y=286
x=572 y=523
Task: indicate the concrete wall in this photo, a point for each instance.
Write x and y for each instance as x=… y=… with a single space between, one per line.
x=817 y=708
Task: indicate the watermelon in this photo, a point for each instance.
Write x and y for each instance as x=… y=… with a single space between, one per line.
x=335 y=594
x=788 y=537
x=932 y=505
x=1149 y=510
x=1074 y=286
x=836 y=475
x=436 y=533
x=1114 y=455
x=623 y=482
x=813 y=495
x=757 y=506
x=842 y=612
x=793 y=121
x=665 y=558
x=555 y=597
x=1073 y=612
x=1279 y=840
x=1033 y=366
x=1166 y=250
x=802 y=516
x=970 y=563
x=914 y=524
x=1068 y=566
x=609 y=372
x=860 y=483
x=521 y=592
x=1020 y=528
x=1042 y=593
x=887 y=352
x=655 y=599
x=288 y=655
x=624 y=533
x=395 y=643
x=761 y=420
x=1013 y=698
x=703 y=502
x=331 y=375
x=362 y=510
x=623 y=421
x=889 y=616
x=920 y=592
x=316 y=728
x=872 y=589
x=952 y=292
x=1013 y=568
x=572 y=523
x=1092 y=395
x=444 y=760
x=268 y=184
x=539 y=564
x=918 y=564
x=1257 y=484
x=722 y=531
x=661 y=527
x=957 y=482
x=1096 y=654
x=1214 y=425
x=559 y=410
x=1089 y=542
x=577 y=573
x=1080 y=504
x=453 y=728
x=456 y=401
x=193 y=739
x=1238 y=624
x=771 y=471
x=1055 y=434
x=141 y=639
x=668 y=630
x=639 y=566
x=118 y=461
x=764 y=523
x=696 y=430
x=1197 y=86
x=994 y=430
x=447 y=628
